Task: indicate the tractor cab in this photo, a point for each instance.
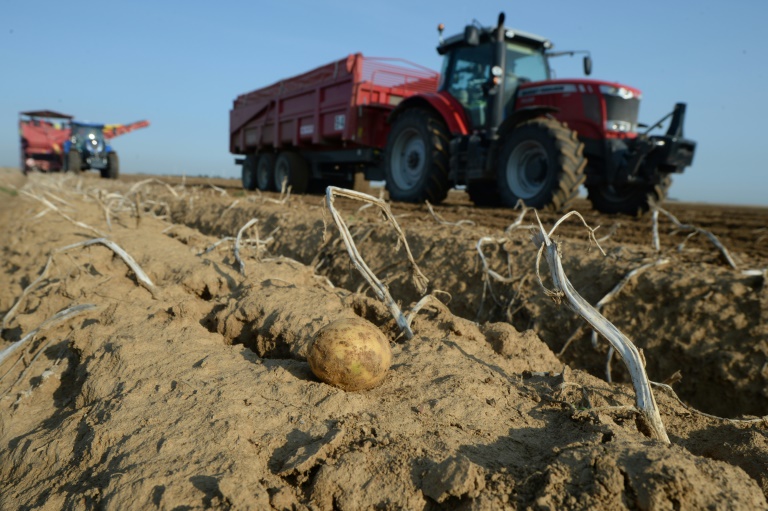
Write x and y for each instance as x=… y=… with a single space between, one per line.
x=484 y=67
x=483 y=71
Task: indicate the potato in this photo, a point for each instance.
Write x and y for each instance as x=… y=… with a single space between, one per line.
x=351 y=354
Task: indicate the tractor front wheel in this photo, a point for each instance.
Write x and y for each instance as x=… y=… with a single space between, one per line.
x=627 y=199
x=542 y=163
x=113 y=167
x=416 y=158
x=73 y=161
x=292 y=169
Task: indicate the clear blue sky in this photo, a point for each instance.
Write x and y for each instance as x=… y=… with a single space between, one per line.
x=180 y=65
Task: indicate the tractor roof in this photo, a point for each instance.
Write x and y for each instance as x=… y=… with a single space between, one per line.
x=46 y=113
x=486 y=33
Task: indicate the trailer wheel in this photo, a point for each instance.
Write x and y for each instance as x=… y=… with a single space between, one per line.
x=73 y=161
x=627 y=199
x=265 y=172
x=416 y=158
x=248 y=172
x=293 y=169
x=542 y=163
x=112 y=171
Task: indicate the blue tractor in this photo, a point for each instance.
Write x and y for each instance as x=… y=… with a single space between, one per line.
x=87 y=148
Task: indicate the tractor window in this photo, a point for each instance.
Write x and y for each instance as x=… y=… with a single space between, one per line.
x=85 y=132
x=465 y=72
x=523 y=65
x=526 y=63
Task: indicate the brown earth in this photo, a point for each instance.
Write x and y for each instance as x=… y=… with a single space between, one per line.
x=196 y=394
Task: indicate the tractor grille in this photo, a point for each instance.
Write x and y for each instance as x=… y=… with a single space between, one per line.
x=622 y=109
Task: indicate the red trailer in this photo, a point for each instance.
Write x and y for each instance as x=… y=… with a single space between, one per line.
x=43 y=133
x=323 y=125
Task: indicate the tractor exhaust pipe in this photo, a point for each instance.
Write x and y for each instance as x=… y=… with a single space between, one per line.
x=496 y=90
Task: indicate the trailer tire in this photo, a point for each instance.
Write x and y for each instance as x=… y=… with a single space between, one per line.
x=542 y=163
x=628 y=199
x=112 y=171
x=248 y=172
x=292 y=167
x=265 y=173
x=416 y=158
x=73 y=161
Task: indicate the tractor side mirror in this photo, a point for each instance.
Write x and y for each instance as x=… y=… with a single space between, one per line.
x=587 y=65
x=471 y=35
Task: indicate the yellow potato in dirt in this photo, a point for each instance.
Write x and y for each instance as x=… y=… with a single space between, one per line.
x=351 y=354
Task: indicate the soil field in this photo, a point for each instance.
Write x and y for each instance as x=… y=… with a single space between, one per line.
x=182 y=382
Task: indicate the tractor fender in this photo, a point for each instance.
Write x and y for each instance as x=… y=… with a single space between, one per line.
x=523 y=114
x=442 y=104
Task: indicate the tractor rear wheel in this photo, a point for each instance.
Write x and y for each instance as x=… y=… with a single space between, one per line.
x=627 y=199
x=249 y=172
x=293 y=169
x=73 y=161
x=265 y=173
x=112 y=171
x=416 y=158
x=542 y=163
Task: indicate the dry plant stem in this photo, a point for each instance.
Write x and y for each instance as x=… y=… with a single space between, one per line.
x=142 y=277
x=488 y=273
x=420 y=305
x=378 y=287
x=655 y=229
x=669 y=389
x=238 y=240
x=519 y=220
x=27 y=290
x=686 y=227
x=443 y=221
x=138 y=185
x=53 y=320
x=618 y=287
x=623 y=346
x=611 y=232
x=26 y=369
x=285 y=193
x=52 y=207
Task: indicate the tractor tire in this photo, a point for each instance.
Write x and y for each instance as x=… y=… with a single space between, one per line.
x=248 y=176
x=416 y=158
x=73 y=162
x=113 y=167
x=541 y=163
x=293 y=169
x=484 y=194
x=627 y=199
x=265 y=173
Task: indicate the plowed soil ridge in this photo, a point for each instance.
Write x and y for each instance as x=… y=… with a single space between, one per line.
x=199 y=396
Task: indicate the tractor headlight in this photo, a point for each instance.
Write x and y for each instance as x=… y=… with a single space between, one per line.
x=621 y=92
x=622 y=126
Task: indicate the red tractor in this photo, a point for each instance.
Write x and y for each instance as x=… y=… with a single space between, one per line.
x=500 y=125
x=494 y=120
